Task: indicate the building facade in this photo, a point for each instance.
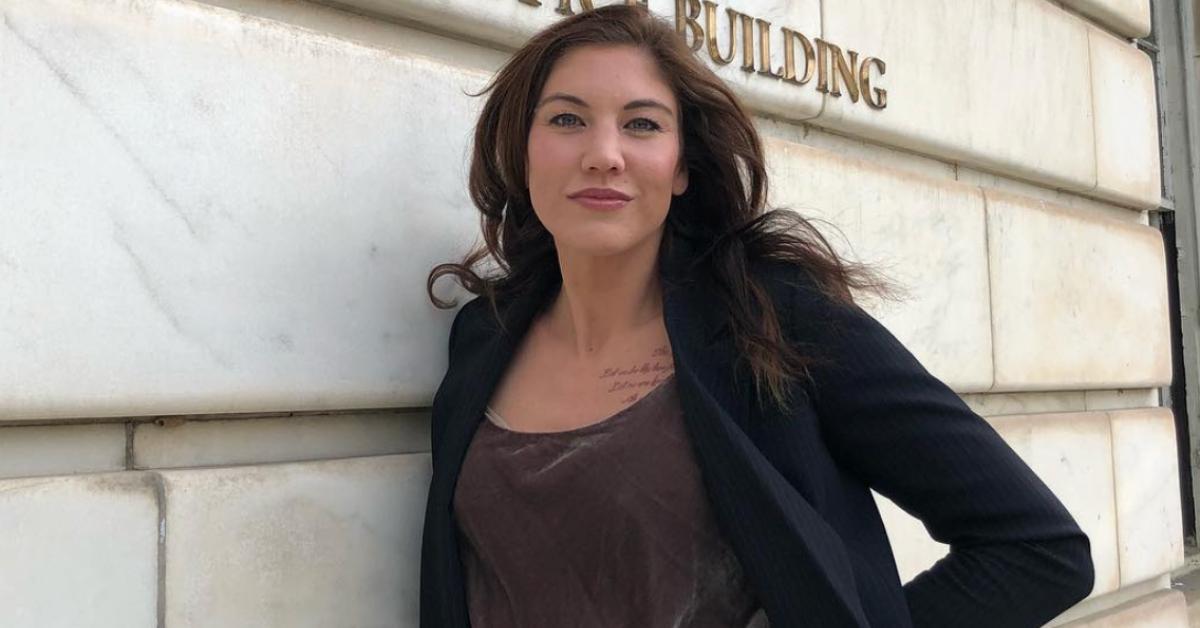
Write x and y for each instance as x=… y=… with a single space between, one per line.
x=217 y=218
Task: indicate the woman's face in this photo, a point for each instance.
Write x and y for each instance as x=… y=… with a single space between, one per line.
x=605 y=122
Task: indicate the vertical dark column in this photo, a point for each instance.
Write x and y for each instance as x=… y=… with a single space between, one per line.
x=1178 y=378
x=1172 y=49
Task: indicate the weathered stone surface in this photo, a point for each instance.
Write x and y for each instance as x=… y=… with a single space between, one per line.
x=1077 y=301
x=79 y=551
x=318 y=544
x=61 y=449
x=981 y=83
x=1130 y=18
x=1165 y=609
x=1126 y=110
x=220 y=213
x=257 y=441
x=1149 y=523
x=1123 y=399
x=996 y=404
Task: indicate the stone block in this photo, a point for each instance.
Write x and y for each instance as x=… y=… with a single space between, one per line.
x=1122 y=399
x=1077 y=301
x=1130 y=18
x=996 y=404
x=79 y=551
x=1165 y=609
x=1149 y=519
x=61 y=449
x=1126 y=110
x=316 y=544
x=997 y=84
x=284 y=439
x=220 y=213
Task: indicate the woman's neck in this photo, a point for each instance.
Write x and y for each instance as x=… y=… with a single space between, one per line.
x=604 y=299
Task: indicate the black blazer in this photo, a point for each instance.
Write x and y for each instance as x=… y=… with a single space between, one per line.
x=791 y=493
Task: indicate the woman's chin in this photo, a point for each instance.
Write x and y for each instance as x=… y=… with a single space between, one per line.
x=598 y=245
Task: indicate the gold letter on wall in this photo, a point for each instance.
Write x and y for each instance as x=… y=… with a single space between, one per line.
x=710 y=26
x=686 y=14
x=875 y=98
x=564 y=6
x=764 y=49
x=747 y=42
x=838 y=67
x=790 y=37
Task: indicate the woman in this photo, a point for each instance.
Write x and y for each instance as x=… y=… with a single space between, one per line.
x=666 y=409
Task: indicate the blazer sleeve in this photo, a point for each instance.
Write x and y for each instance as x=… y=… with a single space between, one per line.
x=1017 y=557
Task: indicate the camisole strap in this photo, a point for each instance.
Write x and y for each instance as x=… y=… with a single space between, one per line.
x=495 y=418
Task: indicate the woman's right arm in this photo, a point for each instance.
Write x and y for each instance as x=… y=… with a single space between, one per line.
x=1017 y=557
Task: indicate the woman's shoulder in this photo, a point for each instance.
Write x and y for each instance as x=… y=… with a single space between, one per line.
x=472 y=312
x=789 y=284
x=806 y=311
x=471 y=323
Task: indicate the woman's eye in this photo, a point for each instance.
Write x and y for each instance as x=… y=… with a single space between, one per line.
x=556 y=119
x=650 y=125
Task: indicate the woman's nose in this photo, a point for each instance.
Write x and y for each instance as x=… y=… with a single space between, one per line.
x=604 y=152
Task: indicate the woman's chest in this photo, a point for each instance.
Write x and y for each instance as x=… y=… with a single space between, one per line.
x=595 y=518
x=548 y=387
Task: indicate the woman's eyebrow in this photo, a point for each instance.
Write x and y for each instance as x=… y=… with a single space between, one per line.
x=633 y=104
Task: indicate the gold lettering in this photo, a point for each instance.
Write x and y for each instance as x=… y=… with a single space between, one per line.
x=875 y=98
x=747 y=42
x=838 y=68
x=764 y=49
x=710 y=27
x=564 y=6
x=846 y=72
x=686 y=14
x=822 y=66
x=790 y=37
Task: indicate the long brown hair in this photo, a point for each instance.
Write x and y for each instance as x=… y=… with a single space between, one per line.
x=723 y=207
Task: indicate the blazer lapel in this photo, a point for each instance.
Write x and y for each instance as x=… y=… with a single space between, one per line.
x=793 y=558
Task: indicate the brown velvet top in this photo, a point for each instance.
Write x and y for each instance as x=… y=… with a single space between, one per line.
x=603 y=526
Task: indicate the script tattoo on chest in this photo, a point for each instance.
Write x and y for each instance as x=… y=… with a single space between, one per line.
x=638 y=378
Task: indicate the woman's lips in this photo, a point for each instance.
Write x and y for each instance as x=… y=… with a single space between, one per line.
x=592 y=202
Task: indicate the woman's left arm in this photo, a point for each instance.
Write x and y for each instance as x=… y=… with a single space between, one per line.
x=1017 y=557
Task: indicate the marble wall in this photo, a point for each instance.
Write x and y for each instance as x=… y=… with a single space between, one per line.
x=256 y=236
x=216 y=355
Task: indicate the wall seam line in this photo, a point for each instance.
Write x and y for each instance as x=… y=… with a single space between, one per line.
x=128 y=446
x=1092 y=103
x=160 y=498
x=1112 y=455
x=987 y=258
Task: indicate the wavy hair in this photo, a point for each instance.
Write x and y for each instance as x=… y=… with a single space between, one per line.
x=723 y=208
